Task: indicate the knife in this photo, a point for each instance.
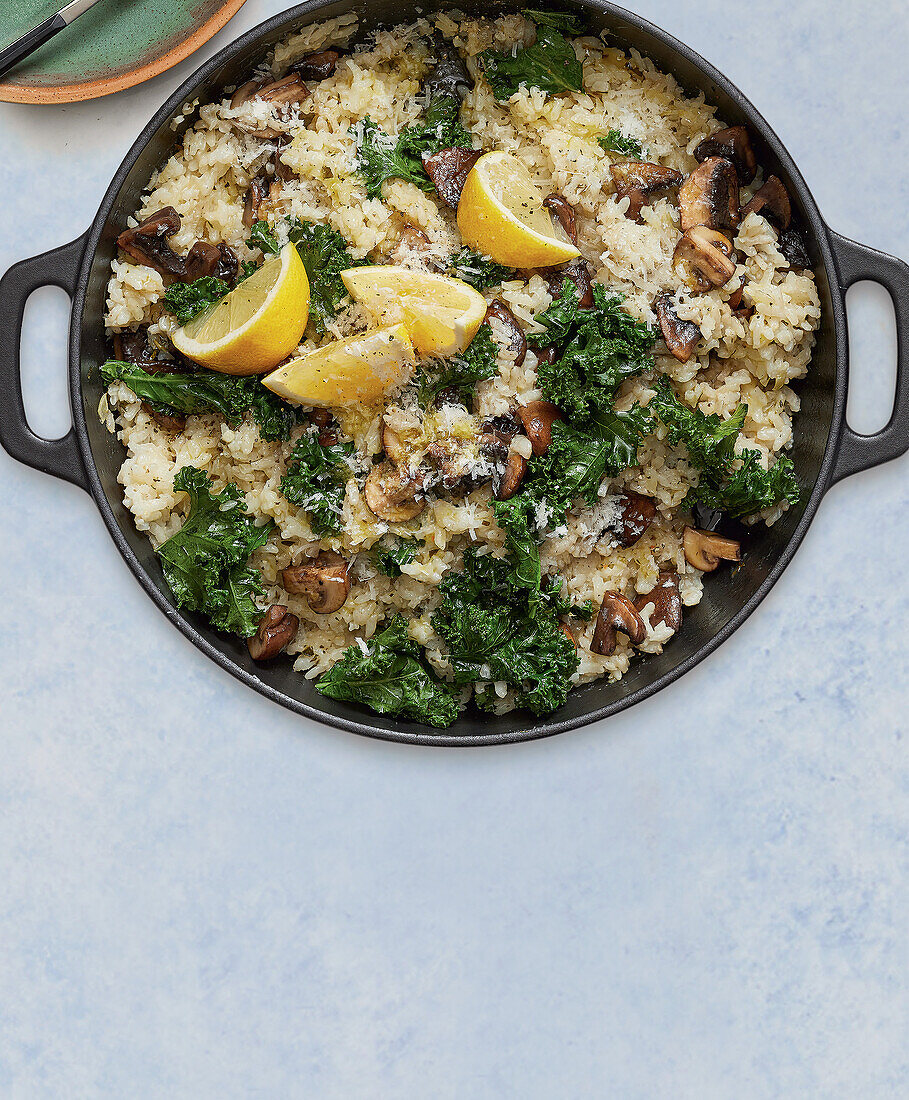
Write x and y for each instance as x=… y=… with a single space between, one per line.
x=37 y=36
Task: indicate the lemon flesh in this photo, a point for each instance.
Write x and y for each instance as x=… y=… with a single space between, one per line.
x=442 y=314
x=501 y=214
x=257 y=324
x=357 y=371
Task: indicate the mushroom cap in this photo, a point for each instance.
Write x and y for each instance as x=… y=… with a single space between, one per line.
x=617 y=612
x=665 y=600
x=710 y=196
x=538 y=418
x=393 y=494
x=324 y=582
x=733 y=143
x=681 y=337
x=276 y=631
x=708 y=255
x=705 y=549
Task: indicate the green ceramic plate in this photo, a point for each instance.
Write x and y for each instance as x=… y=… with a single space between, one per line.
x=117 y=44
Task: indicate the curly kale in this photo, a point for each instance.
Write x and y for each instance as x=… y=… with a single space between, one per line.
x=389 y=675
x=390 y=553
x=205 y=562
x=203 y=391
x=263 y=236
x=550 y=64
x=480 y=271
x=614 y=141
x=461 y=372
x=316 y=481
x=498 y=630
x=187 y=300
x=736 y=484
x=562 y=21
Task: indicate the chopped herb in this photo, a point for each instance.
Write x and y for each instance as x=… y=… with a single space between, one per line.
x=550 y=64
x=616 y=142
x=187 y=300
x=561 y=21
x=263 y=236
x=462 y=372
x=390 y=553
x=205 y=391
x=316 y=481
x=205 y=562
x=390 y=676
x=480 y=271
x=499 y=630
x=602 y=346
x=739 y=489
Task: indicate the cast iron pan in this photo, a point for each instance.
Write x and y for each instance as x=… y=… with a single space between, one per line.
x=825 y=449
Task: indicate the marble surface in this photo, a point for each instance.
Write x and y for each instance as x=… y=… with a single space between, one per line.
x=204 y=896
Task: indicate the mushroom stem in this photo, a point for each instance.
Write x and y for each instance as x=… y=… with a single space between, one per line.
x=538 y=418
x=324 y=582
x=617 y=613
x=276 y=631
x=705 y=549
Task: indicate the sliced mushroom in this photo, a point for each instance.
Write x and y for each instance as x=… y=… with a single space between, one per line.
x=288 y=91
x=771 y=200
x=517 y=341
x=165 y=420
x=448 y=169
x=283 y=171
x=735 y=304
x=710 y=196
x=639 y=181
x=578 y=272
x=324 y=581
x=637 y=514
x=538 y=418
x=666 y=600
x=317 y=66
x=564 y=211
x=792 y=246
x=414 y=237
x=276 y=631
x=246 y=92
x=704 y=549
x=708 y=255
x=734 y=144
x=393 y=445
x=148 y=244
x=546 y=355
x=393 y=494
x=508 y=484
x=255 y=196
x=205 y=259
x=617 y=612
x=681 y=337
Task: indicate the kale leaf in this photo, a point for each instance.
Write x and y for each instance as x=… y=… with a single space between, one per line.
x=461 y=372
x=390 y=676
x=739 y=490
x=561 y=21
x=616 y=142
x=316 y=481
x=480 y=271
x=187 y=300
x=204 y=563
x=550 y=64
x=205 y=391
x=263 y=236
x=601 y=347
x=324 y=254
x=497 y=629
x=390 y=553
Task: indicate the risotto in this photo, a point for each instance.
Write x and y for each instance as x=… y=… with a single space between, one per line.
x=528 y=512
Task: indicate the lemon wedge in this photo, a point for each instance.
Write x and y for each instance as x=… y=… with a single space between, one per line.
x=257 y=324
x=442 y=314
x=501 y=214
x=357 y=371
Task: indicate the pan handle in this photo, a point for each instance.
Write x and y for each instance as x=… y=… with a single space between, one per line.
x=60 y=457
x=857 y=262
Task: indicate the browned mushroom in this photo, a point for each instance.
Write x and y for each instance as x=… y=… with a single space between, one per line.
x=255 y=196
x=327 y=425
x=276 y=631
x=637 y=514
x=510 y=481
x=667 y=603
x=283 y=171
x=393 y=494
x=681 y=337
x=517 y=341
x=735 y=304
x=147 y=243
x=617 y=612
x=710 y=196
x=564 y=211
x=448 y=169
x=288 y=91
x=546 y=355
x=205 y=259
x=792 y=246
x=414 y=237
x=704 y=549
x=393 y=445
x=538 y=418
x=316 y=66
x=578 y=272
x=708 y=256
x=165 y=420
x=639 y=181
x=734 y=144
x=771 y=200
x=324 y=581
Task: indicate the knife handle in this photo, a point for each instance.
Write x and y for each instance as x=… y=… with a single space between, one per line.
x=29 y=42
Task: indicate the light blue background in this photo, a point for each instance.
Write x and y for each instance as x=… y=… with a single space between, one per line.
x=204 y=896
